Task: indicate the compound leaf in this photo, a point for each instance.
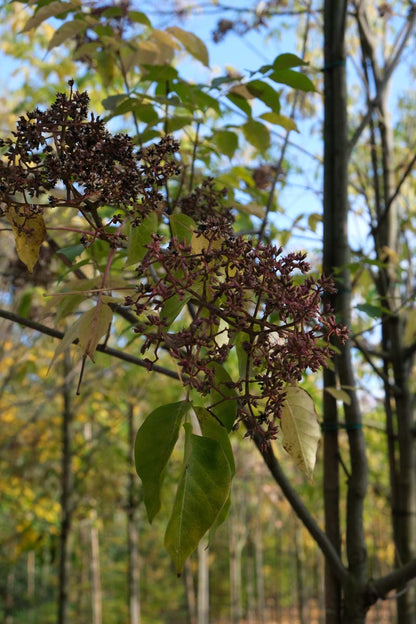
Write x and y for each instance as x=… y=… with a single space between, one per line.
x=203 y=490
x=154 y=444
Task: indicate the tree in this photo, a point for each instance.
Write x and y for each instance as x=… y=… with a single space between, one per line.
x=171 y=283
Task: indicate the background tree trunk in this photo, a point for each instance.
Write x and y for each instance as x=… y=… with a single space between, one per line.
x=132 y=530
x=203 y=582
x=66 y=480
x=336 y=260
x=96 y=592
x=190 y=592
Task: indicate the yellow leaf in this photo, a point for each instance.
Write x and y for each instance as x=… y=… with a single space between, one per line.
x=29 y=234
x=242 y=91
x=192 y=44
x=387 y=254
x=166 y=39
x=339 y=395
x=300 y=429
x=94 y=324
x=70 y=336
x=410 y=328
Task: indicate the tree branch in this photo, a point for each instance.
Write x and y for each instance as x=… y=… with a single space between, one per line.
x=121 y=355
x=394 y=580
x=301 y=510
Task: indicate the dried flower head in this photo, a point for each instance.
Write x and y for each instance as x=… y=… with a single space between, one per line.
x=242 y=296
x=72 y=159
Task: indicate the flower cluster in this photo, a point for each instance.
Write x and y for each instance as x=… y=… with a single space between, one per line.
x=240 y=296
x=74 y=160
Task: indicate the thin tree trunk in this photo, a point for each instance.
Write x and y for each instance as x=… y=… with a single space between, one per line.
x=404 y=510
x=66 y=479
x=300 y=590
x=250 y=573
x=203 y=583
x=397 y=364
x=235 y=548
x=336 y=258
x=31 y=570
x=190 y=592
x=96 y=592
x=334 y=124
x=9 y=598
x=133 y=533
x=258 y=552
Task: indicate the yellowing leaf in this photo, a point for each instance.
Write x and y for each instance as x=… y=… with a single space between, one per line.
x=70 y=336
x=68 y=30
x=29 y=234
x=300 y=429
x=339 y=395
x=166 y=39
x=49 y=10
x=242 y=91
x=387 y=254
x=252 y=208
x=410 y=329
x=280 y=120
x=192 y=44
x=93 y=326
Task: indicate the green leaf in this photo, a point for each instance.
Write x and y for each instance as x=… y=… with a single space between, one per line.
x=286 y=61
x=192 y=44
x=313 y=220
x=112 y=101
x=160 y=73
x=25 y=303
x=68 y=305
x=280 y=120
x=242 y=342
x=139 y=18
x=206 y=101
x=72 y=252
x=146 y=113
x=221 y=518
x=257 y=134
x=139 y=237
x=241 y=102
x=300 y=429
x=224 y=398
x=293 y=79
x=155 y=441
x=203 y=490
x=265 y=92
x=172 y=308
x=371 y=310
x=212 y=428
x=68 y=30
x=57 y=7
x=227 y=142
x=183 y=227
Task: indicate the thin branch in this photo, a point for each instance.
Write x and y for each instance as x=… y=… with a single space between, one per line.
x=394 y=580
x=366 y=354
x=278 y=167
x=301 y=510
x=404 y=35
x=400 y=184
x=121 y=355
